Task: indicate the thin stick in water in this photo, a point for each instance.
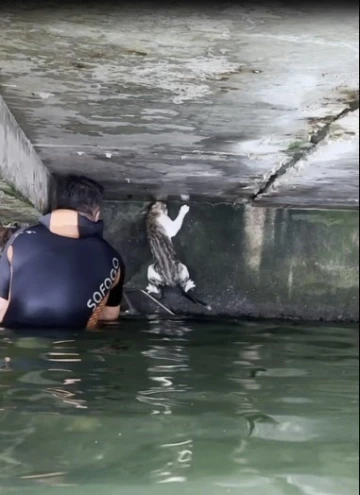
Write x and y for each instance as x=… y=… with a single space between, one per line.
x=158 y=303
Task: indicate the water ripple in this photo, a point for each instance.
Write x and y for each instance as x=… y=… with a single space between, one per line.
x=211 y=408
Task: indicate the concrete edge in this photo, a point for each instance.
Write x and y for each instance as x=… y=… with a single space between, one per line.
x=20 y=166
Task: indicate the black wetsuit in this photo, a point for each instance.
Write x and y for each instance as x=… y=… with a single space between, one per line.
x=55 y=281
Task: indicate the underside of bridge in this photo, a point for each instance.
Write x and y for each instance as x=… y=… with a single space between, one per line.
x=252 y=105
x=214 y=101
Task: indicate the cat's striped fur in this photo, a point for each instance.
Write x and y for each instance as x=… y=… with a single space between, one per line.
x=167 y=270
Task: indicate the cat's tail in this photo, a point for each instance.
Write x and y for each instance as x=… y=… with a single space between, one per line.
x=194 y=299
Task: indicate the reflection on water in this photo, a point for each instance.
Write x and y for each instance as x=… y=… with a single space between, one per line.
x=217 y=408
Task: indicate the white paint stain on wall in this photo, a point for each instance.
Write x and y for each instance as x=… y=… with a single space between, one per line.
x=254 y=234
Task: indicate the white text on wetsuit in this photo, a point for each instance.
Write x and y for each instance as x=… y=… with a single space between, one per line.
x=105 y=287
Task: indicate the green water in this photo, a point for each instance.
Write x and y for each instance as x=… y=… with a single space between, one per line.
x=173 y=408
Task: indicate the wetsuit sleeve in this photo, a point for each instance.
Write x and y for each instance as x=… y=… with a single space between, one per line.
x=116 y=292
x=5 y=273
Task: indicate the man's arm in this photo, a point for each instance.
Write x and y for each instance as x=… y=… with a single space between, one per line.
x=111 y=312
x=5 y=279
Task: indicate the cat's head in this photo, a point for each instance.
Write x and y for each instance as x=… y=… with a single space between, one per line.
x=159 y=208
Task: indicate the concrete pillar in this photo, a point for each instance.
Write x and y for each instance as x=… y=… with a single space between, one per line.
x=20 y=165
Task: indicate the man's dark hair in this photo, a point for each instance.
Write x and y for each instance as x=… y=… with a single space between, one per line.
x=79 y=193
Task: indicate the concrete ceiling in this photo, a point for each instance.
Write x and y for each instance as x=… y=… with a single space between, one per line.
x=241 y=103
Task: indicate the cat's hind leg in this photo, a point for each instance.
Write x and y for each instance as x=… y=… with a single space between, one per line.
x=155 y=281
x=187 y=285
x=184 y=278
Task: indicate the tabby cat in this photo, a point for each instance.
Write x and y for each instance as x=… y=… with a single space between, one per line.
x=167 y=270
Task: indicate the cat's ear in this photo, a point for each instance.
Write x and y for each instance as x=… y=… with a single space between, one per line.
x=97 y=215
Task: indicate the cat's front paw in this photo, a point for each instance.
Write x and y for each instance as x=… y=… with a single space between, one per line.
x=185 y=209
x=190 y=286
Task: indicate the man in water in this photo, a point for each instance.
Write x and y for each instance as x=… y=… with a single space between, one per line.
x=61 y=273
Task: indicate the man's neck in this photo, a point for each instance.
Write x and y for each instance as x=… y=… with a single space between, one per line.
x=88 y=216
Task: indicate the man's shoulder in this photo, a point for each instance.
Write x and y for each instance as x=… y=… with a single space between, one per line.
x=110 y=248
x=27 y=230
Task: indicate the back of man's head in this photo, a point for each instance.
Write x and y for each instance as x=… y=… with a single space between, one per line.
x=81 y=194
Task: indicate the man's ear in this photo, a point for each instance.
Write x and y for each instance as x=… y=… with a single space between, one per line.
x=97 y=215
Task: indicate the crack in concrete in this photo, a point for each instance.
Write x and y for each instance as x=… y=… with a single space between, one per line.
x=315 y=140
x=302 y=39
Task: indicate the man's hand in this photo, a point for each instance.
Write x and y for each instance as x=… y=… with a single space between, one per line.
x=110 y=314
x=3 y=308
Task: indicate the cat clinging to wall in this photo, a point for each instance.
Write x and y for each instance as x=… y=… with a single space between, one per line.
x=167 y=270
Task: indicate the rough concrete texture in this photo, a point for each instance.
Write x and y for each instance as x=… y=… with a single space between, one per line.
x=256 y=262
x=333 y=160
x=14 y=208
x=217 y=102
x=20 y=165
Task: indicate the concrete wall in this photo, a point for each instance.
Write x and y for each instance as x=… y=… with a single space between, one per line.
x=256 y=262
x=14 y=208
x=20 y=166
